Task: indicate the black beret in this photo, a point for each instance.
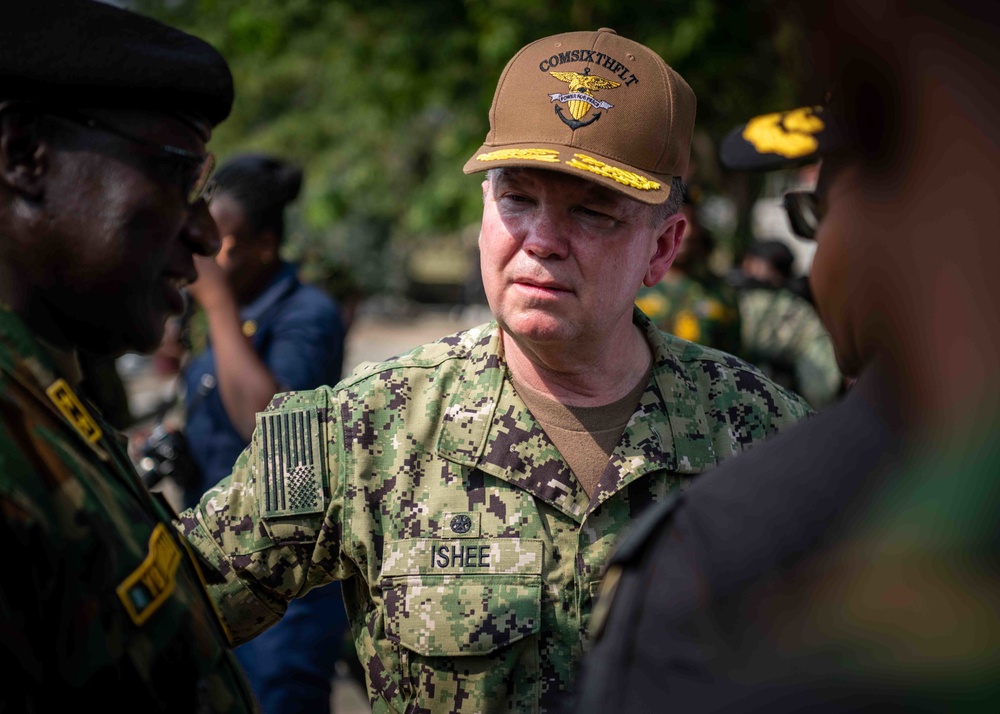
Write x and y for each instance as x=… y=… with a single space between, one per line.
x=88 y=53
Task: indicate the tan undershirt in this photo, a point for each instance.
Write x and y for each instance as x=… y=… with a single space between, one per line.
x=585 y=436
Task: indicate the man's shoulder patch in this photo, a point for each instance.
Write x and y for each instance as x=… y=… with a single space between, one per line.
x=290 y=461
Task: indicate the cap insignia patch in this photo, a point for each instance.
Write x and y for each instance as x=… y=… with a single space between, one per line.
x=588 y=163
x=580 y=98
x=789 y=134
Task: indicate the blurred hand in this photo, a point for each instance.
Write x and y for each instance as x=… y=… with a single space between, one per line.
x=211 y=288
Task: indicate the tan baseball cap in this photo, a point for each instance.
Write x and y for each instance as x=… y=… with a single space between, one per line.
x=594 y=105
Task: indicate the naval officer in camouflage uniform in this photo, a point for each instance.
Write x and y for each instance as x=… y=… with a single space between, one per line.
x=469 y=492
x=104 y=115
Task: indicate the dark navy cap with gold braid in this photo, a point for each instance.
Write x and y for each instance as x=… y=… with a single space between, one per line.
x=783 y=140
x=87 y=53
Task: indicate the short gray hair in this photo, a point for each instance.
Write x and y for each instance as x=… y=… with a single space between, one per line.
x=673 y=203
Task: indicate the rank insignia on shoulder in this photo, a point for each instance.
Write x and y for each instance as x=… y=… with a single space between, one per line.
x=290 y=482
x=148 y=586
x=70 y=406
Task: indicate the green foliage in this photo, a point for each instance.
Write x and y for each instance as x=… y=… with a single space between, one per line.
x=383 y=102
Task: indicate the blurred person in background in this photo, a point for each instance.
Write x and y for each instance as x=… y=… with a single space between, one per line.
x=691 y=301
x=267 y=333
x=262 y=329
x=852 y=563
x=781 y=332
x=767 y=263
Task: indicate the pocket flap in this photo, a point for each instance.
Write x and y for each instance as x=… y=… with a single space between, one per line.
x=455 y=615
x=461 y=597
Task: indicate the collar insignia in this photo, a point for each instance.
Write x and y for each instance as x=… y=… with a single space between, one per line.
x=70 y=406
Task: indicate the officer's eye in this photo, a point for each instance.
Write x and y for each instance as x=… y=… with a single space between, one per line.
x=514 y=200
x=596 y=216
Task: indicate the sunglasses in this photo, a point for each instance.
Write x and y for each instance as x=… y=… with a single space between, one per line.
x=804 y=213
x=191 y=171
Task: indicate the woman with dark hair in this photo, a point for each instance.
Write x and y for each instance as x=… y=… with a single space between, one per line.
x=267 y=333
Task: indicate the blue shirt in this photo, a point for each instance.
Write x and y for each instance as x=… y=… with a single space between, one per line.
x=298 y=332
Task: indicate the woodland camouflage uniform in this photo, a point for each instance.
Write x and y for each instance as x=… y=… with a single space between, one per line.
x=112 y=608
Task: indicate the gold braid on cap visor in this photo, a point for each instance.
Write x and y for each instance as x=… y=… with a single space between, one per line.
x=587 y=163
x=580 y=161
x=549 y=155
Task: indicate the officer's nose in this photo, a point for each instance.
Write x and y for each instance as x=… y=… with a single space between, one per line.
x=546 y=235
x=200 y=232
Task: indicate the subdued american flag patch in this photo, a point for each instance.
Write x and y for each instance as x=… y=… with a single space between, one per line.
x=290 y=460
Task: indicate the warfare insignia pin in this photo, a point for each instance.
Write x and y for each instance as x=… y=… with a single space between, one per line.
x=461 y=524
x=580 y=98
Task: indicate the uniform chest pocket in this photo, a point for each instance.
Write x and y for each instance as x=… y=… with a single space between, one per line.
x=472 y=596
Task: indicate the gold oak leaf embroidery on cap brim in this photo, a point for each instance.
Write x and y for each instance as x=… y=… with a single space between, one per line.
x=588 y=163
x=549 y=155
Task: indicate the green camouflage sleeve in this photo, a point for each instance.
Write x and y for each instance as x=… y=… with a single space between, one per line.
x=270 y=531
x=783 y=332
x=816 y=371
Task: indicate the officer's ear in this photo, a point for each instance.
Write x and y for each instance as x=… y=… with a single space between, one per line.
x=668 y=239
x=23 y=150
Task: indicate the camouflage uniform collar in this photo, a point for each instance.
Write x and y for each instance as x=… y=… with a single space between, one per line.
x=29 y=363
x=66 y=362
x=689 y=441
x=470 y=412
x=490 y=428
x=23 y=355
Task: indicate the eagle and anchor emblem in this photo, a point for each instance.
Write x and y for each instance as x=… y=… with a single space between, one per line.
x=580 y=98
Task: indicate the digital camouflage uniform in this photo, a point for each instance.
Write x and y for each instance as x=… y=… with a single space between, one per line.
x=701 y=308
x=783 y=335
x=470 y=552
x=100 y=599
